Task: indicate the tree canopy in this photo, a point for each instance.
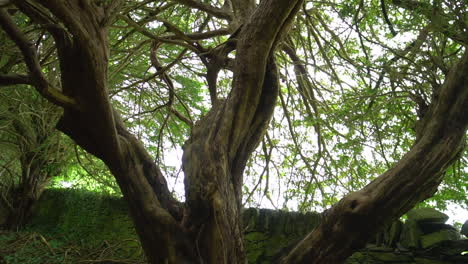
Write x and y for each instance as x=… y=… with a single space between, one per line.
x=295 y=104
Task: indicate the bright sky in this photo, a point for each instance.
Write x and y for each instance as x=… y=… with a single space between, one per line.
x=455 y=212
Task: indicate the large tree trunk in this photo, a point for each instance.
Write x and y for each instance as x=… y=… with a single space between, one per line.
x=207 y=227
x=213 y=176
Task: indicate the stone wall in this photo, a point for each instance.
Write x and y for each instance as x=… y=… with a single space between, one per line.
x=268 y=233
x=423 y=238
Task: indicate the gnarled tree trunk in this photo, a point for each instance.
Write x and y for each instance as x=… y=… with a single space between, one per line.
x=207 y=227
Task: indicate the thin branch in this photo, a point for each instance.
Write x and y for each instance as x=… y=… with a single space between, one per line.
x=191 y=37
x=310 y=167
x=208 y=34
x=150 y=35
x=267 y=154
x=181 y=117
x=387 y=20
x=214 y=11
x=443 y=22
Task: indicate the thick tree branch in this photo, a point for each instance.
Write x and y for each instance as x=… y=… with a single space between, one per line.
x=32 y=62
x=215 y=60
x=350 y=223
x=88 y=13
x=242 y=10
x=43 y=17
x=97 y=128
x=256 y=41
x=270 y=91
x=111 y=11
x=220 y=143
x=208 y=34
x=12 y=79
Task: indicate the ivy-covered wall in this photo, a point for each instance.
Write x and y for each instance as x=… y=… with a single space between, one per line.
x=92 y=218
x=268 y=233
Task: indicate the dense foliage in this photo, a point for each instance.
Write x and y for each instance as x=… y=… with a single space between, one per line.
x=350 y=98
x=358 y=81
x=354 y=78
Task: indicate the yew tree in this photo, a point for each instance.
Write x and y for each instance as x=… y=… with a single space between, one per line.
x=33 y=152
x=253 y=56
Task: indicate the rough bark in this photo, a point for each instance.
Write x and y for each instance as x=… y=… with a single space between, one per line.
x=210 y=229
x=220 y=144
x=207 y=228
x=348 y=225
